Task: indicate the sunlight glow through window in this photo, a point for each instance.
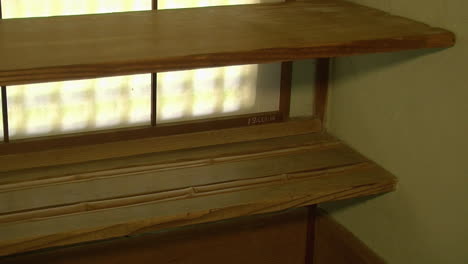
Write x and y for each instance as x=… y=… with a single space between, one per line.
x=61 y=107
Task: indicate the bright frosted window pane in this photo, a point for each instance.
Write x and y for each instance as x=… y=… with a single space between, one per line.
x=171 y=4
x=41 y=8
x=75 y=106
x=64 y=107
x=215 y=92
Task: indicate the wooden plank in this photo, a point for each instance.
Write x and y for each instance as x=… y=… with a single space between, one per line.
x=310 y=242
x=164 y=159
x=331 y=237
x=195 y=206
x=82 y=153
x=268 y=238
x=153 y=180
x=48 y=49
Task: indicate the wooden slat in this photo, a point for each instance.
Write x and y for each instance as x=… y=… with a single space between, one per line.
x=48 y=49
x=157 y=180
x=192 y=209
x=277 y=238
x=232 y=183
x=83 y=153
x=163 y=159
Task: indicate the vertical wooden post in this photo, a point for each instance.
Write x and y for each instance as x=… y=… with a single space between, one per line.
x=285 y=86
x=6 y=134
x=154 y=98
x=321 y=88
x=154 y=82
x=285 y=89
x=310 y=242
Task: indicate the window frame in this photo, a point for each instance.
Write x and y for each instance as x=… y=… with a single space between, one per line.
x=156 y=131
x=128 y=133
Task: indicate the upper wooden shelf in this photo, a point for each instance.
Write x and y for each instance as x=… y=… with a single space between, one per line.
x=65 y=48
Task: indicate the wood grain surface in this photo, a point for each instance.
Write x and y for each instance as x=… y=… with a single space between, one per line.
x=15 y=156
x=161 y=180
x=276 y=238
x=41 y=211
x=65 y=48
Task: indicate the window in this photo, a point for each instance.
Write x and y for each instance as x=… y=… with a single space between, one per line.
x=136 y=101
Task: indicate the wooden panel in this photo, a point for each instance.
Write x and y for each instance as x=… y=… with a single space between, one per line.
x=264 y=239
x=334 y=244
x=98 y=200
x=156 y=178
x=310 y=237
x=168 y=159
x=82 y=153
x=49 y=49
x=192 y=206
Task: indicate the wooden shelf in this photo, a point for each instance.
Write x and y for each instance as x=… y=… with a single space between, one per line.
x=65 y=48
x=70 y=204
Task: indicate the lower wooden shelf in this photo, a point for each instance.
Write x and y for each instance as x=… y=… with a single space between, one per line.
x=70 y=204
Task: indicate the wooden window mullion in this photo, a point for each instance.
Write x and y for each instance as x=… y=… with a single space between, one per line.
x=282 y=114
x=322 y=70
x=6 y=133
x=154 y=83
x=285 y=89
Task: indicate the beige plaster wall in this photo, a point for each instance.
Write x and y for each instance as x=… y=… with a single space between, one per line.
x=408 y=111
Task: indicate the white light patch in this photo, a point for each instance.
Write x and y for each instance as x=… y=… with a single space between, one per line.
x=76 y=110
x=173 y=95
x=42 y=109
x=110 y=94
x=139 y=99
x=232 y=90
x=172 y=4
x=43 y=8
x=205 y=92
